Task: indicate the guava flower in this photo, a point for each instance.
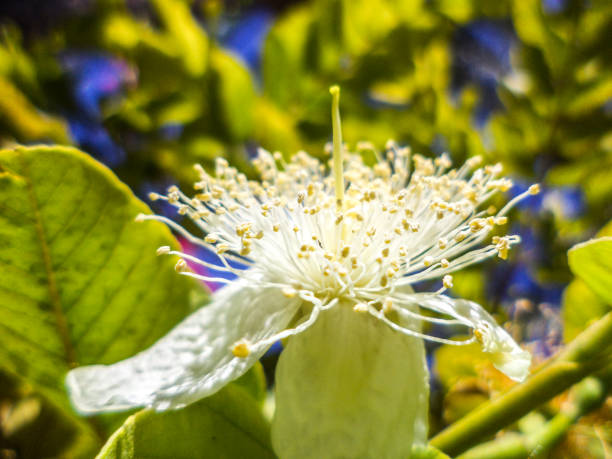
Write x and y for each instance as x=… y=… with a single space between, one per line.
x=329 y=257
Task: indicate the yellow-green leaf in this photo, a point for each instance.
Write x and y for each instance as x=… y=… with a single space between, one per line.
x=592 y=262
x=225 y=425
x=80 y=282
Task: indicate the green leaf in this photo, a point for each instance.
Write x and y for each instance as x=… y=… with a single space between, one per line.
x=80 y=282
x=453 y=363
x=284 y=56
x=592 y=262
x=233 y=94
x=581 y=307
x=25 y=121
x=225 y=425
x=254 y=382
x=189 y=38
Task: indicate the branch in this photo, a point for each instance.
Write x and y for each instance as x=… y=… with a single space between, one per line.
x=588 y=353
x=585 y=397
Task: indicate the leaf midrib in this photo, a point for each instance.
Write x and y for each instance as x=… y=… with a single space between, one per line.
x=54 y=296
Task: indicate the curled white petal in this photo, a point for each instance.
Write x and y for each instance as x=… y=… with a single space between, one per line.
x=505 y=354
x=193 y=360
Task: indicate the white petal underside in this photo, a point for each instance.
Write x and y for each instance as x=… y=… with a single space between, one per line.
x=505 y=354
x=193 y=360
x=350 y=386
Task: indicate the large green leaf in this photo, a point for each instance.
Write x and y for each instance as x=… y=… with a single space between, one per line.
x=592 y=262
x=79 y=279
x=225 y=425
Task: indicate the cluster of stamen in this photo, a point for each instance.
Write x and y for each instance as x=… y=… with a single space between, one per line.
x=403 y=220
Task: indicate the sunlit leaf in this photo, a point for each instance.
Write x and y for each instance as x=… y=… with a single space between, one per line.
x=581 y=307
x=284 y=54
x=189 y=37
x=233 y=93
x=225 y=425
x=592 y=262
x=80 y=282
x=24 y=121
x=254 y=382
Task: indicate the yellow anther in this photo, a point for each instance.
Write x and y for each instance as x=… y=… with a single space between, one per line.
x=180 y=266
x=217 y=192
x=211 y=239
x=222 y=248
x=241 y=350
x=444 y=263
x=534 y=189
x=242 y=228
x=477 y=224
x=164 y=249
x=289 y=292
x=360 y=307
x=447 y=281
x=387 y=306
x=460 y=236
x=428 y=261
x=345 y=251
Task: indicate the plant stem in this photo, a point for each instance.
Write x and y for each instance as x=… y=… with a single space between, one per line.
x=586 y=354
x=586 y=396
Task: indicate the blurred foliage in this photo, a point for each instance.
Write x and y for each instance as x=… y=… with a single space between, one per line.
x=149 y=88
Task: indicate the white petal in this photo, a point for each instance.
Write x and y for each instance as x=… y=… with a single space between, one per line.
x=193 y=360
x=506 y=355
x=349 y=386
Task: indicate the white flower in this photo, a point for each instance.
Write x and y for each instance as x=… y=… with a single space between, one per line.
x=337 y=252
